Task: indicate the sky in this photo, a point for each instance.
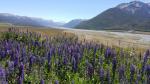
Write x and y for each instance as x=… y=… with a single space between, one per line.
x=59 y=10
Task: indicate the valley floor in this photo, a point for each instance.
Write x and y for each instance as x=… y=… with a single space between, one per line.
x=123 y=39
x=139 y=40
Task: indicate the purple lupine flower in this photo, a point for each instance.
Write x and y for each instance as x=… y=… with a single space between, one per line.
x=20 y=80
x=121 y=53
x=59 y=51
x=21 y=71
x=12 y=55
x=94 y=57
x=31 y=60
x=42 y=60
x=7 y=51
x=138 y=78
x=49 y=59
x=18 y=47
x=101 y=75
x=49 y=56
x=74 y=64
x=146 y=54
x=65 y=61
x=132 y=72
x=16 y=61
x=69 y=50
x=148 y=73
x=114 y=64
x=107 y=53
x=79 y=56
x=108 y=77
x=56 y=82
x=95 y=49
x=10 y=66
x=2 y=73
x=76 y=56
x=121 y=72
x=36 y=43
x=3 y=54
x=148 y=70
x=2 y=76
x=49 y=67
x=101 y=60
x=23 y=55
x=90 y=70
x=42 y=81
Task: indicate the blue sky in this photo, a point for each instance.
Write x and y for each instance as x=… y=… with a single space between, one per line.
x=59 y=10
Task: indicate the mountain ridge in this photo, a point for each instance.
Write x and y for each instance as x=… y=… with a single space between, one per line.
x=127 y=16
x=73 y=23
x=27 y=21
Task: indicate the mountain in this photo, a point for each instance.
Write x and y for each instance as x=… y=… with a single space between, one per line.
x=27 y=21
x=126 y=16
x=73 y=23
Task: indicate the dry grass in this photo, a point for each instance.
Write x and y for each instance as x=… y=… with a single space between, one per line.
x=111 y=39
x=108 y=39
x=41 y=30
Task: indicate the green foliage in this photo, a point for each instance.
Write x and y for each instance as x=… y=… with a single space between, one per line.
x=49 y=56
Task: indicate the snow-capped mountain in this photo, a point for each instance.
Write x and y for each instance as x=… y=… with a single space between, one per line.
x=134 y=7
x=126 y=16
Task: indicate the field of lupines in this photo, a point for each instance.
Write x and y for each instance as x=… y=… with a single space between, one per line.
x=30 y=58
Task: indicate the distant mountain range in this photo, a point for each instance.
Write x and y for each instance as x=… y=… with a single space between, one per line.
x=38 y=22
x=126 y=16
x=73 y=23
x=134 y=15
x=27 y=21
